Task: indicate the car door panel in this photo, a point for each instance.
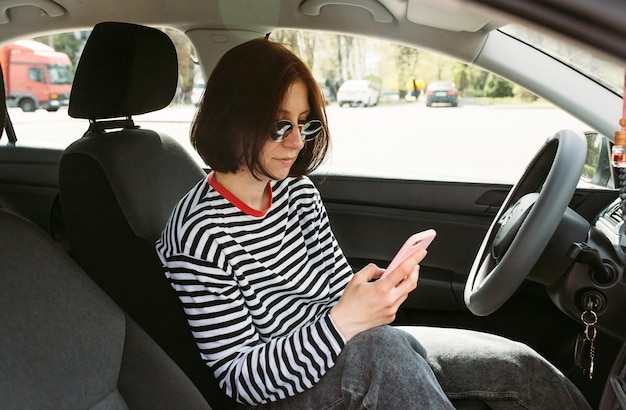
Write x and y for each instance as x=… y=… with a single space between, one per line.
x=374 y=234
x=371 y=218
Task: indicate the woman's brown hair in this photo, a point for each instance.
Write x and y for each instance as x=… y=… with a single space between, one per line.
x=241 y=102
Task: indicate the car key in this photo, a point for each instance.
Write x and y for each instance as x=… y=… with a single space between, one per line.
x=581 y=352
x=584 y=352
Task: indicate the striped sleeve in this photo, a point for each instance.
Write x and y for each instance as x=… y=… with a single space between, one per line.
x=248 y=369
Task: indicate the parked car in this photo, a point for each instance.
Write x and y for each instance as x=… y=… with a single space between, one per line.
x=531 y=253
x=357 y=93
x=442 y=92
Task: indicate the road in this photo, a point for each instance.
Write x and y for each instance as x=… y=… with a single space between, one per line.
x=469 y=142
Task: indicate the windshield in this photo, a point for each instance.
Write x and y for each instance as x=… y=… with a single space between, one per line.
x=603 y=72
x=60 y=74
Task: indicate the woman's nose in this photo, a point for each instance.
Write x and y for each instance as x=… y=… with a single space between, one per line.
x=295 y=138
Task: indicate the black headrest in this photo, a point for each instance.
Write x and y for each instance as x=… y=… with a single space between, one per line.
x=125 y=69
x=3 y=103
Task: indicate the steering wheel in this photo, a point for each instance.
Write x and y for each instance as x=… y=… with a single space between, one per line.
x=525 y=222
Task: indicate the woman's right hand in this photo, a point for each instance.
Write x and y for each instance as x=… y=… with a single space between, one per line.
x=368 y=301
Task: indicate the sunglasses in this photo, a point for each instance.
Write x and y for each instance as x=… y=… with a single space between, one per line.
x=308 y=131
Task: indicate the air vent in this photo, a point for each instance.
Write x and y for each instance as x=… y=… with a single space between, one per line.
x=616 y=214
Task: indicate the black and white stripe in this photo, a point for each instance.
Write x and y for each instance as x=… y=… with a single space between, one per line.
x=257 y=291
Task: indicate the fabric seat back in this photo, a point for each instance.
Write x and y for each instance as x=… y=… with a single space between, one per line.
x=65 y=344
x=119 y=183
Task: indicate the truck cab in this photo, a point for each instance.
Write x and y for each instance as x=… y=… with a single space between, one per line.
x=36 y=76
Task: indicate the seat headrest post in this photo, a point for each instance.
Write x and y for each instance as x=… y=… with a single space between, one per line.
x=102 y=126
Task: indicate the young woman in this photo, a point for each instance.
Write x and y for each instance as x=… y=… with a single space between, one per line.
x=276 y=310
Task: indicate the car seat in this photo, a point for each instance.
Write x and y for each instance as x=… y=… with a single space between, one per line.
x=64 y=343
x=119 y=183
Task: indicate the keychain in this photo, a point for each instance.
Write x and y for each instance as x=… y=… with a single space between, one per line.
x=585 y=350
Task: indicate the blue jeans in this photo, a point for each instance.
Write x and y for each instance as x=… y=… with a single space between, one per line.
x=387 y=368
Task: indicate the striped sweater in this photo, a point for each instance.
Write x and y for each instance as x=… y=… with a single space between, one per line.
x=257 y=289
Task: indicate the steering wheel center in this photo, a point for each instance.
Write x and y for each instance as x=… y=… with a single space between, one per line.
x=509 y=224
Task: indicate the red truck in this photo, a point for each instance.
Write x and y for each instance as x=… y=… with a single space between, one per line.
x=36 y=76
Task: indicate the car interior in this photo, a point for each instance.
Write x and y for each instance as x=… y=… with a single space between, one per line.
x=89 y=319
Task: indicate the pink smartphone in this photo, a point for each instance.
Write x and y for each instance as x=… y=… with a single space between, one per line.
x=420 y=240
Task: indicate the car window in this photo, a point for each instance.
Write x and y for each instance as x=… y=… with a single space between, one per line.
x=437 y=119
x=36 y=74
x=423 y=116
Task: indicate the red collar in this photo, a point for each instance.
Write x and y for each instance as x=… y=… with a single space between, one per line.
x=230 y=197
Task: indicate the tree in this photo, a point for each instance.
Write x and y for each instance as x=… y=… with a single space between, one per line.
x=407 y=59
x=186 y=66
x=335 y=58
x=299 y=42
x=497 y=87
x=344 y=57
x=71 y=43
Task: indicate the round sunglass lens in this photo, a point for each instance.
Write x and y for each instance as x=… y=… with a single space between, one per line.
x=311 y=130
x=281 y=130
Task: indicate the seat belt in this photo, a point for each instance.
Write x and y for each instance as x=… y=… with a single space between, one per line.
x=8 y=126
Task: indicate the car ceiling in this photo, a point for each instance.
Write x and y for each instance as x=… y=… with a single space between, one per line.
x=451 y=26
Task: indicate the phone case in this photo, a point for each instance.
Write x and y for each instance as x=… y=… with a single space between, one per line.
x=420 y=240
